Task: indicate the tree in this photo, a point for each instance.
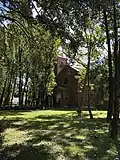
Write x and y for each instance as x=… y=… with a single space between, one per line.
x=29 y=58
x=116 y=65
x=110 y=78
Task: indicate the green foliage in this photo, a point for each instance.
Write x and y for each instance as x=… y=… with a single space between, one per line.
x=38 y=52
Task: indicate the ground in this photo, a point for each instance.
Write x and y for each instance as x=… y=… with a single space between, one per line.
x=56 y=135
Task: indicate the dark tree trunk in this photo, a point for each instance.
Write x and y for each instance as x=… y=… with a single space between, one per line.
x=54 y=97
x=8 y=91
x=38 y=101
x=13 y=91
x=88 y=75
x=20 y=78
x=33 y=94
x=110 y=79
x=3 y=92
x=46 y=101
x=114 y=123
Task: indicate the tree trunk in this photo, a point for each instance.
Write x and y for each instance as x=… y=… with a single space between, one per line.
x=33 y=94
x=110 y=79
x=8 y=91
x=114 y=123
x=25 y=85
x=13 y=91
x=88 y=75
x=82 y=98
x=26 y=97
x=39 y=96
x=20 y=78
x=3 y=92
x=54 y=97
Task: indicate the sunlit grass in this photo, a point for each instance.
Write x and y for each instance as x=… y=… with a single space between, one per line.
x=13 y=136
x=56 y=135
x=96 y=114
x=33 y=114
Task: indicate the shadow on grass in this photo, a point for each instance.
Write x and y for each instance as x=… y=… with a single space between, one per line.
x=53 y=137
x=23 y=152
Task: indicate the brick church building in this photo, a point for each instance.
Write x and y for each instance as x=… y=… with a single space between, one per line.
x=67 y=89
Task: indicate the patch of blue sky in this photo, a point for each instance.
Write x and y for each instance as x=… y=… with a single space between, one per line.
x=102 y=58
x=3 y=7
x=3 y=11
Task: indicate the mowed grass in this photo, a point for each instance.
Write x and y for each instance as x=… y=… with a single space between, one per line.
x=56 y=135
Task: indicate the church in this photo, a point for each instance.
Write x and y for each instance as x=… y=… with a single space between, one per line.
x=67 y=89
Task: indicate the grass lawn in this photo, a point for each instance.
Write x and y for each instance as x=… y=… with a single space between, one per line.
x=56 y=135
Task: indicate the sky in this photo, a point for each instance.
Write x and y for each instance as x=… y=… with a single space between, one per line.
x=33 y=10
x=2 y=7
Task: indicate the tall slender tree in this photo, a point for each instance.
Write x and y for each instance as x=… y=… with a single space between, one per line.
x=110 y=78
x=114 y=130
